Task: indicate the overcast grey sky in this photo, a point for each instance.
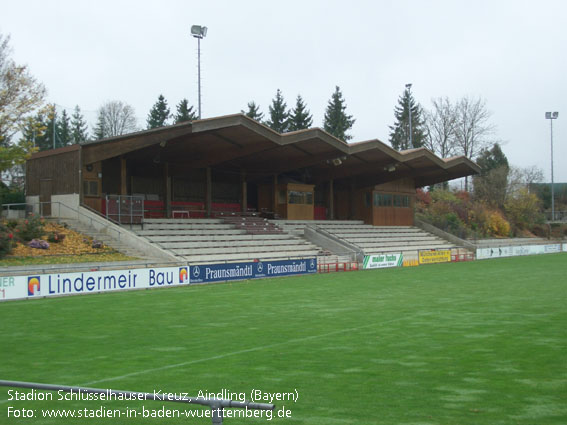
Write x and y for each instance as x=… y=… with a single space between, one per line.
x=509 y=52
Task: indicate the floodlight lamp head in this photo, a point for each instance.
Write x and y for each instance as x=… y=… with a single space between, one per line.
x=555 y=115
x=408 y=86
x=198 y=31
x=548 y=115
x=551 y=115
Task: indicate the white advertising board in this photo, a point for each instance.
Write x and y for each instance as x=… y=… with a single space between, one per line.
x=379 y=261
x=516 y=250
x=57 y=284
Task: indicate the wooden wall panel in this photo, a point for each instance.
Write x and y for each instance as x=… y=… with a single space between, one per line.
x=406 y=185
x=62 y=168
x=342 y=207
x=299 y=212
x=265 y=197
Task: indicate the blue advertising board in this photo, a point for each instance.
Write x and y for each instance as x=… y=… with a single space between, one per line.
x=251 y=270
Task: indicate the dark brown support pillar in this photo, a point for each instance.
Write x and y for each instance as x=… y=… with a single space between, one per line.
x=167 y=190
x=351 y=200
x=123 y=173
x=331 y=201
x=208 y=192
x=243 y=191
x=275 y=194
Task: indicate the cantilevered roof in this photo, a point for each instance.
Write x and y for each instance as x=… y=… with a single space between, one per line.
x=237 y=142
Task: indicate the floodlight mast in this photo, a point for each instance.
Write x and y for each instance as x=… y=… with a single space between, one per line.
x=408 y=87
x=552 y=116
x=199 y=32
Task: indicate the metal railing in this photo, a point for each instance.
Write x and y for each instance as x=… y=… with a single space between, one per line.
x=217 y=405
x=125 y=209
x=76 y=213
x=356 y=252
x=559 y=217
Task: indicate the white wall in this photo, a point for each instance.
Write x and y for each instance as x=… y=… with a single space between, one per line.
x=34 y=202
x=70 y=200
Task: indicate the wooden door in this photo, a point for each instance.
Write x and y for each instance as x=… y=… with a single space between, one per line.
x=45 y=190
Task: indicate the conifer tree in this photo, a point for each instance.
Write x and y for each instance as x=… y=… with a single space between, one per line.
x=254 y=112
x=400 y=131
x=64 y=136
x=184 y=112
x=492 y=183
x=45 y=141
x=159 y=114
x=337 y=122
x=33 y=129
x=278 y=114
x=299 y=117
x=99 y=131
x=79 y=132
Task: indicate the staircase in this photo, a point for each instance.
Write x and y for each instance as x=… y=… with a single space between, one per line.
x=251 y=223
x=201 y=241
x=107 y=240
x=373 y=239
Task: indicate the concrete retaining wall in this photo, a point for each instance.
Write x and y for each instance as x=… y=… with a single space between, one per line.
x=331 y=243
x=123 y=235
x=444 y=235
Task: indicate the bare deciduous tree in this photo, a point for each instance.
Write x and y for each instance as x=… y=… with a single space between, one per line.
x=441 y=123
x=114 y=119
x=20 y=93
x=523 y=178
x=473 y=131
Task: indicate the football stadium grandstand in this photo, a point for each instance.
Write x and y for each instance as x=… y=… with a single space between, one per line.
x=230 y=189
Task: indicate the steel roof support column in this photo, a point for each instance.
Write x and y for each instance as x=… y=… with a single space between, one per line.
x=167 y=188
x=331 y=200
x=243 y=191
x=208 y=192
x=275 y=194
x=123 y=174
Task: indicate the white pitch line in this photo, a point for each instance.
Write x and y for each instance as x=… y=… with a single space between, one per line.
x=234 y=353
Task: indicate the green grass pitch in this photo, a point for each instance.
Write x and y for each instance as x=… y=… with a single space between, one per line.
x=463 y=343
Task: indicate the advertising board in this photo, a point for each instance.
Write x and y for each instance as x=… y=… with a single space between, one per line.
x=251 y=270
x=516 y=250
x=435 y=256
x=380 y=261
x=57 y=284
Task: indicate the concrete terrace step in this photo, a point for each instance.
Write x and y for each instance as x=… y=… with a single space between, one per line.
x=236 y=238
x=255 y=243
x=202 y=221
x=288 y=250
x=316 y=222
x=403 y=243
x=389 y=236
x=376 y=239
x=382 y=236
x=202 y=259
x=192 y=232
x=225 y=239
x=188 y=226
x=407 y=246
x=371 y=230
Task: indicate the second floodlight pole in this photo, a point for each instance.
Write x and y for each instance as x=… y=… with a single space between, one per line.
x=199 y=71
x=199 y=31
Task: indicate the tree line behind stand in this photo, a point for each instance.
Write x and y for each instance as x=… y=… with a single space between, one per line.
x=449 y=128
x=336 y=122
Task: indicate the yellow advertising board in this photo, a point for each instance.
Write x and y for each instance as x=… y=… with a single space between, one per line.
x=435 y=256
